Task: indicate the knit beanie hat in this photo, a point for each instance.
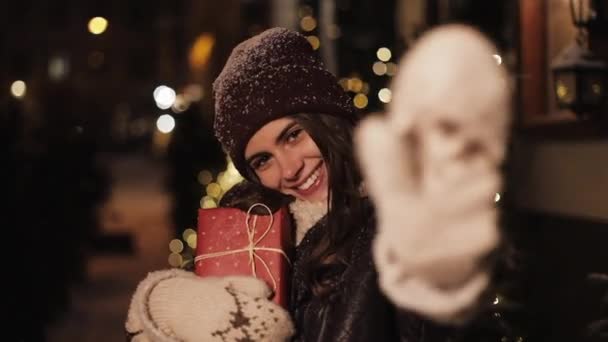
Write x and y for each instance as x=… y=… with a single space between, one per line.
x=269 y=76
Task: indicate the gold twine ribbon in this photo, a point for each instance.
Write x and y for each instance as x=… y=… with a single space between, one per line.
x=252 y=247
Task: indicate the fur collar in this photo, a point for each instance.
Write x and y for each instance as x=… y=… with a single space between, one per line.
x=306 y=215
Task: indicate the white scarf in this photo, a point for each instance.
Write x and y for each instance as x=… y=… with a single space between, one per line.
x=306 y=215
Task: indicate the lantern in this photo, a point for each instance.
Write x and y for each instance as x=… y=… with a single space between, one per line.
x=580 y=78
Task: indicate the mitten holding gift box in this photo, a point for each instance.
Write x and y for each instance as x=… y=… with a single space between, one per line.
x=175 y=305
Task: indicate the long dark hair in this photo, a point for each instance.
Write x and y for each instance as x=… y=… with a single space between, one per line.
x=333 y=136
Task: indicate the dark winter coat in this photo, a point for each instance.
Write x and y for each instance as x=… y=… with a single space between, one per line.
x=355 y=309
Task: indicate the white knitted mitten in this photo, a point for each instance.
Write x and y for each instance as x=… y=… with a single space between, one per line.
x=432 y=169
x=174 y=305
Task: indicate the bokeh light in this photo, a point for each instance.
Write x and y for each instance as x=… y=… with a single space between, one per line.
x=98 y=25
x=191 y=240
x=176 y=246
x=201 y=51
x=214 y=190
x=186 y=233
x=360 y=101
x=18 y=89
x=205 y=177
x=180 y=105
x=314 y=41
x=164 y=96
x=308 y=23
x=58 y=68
x=175 y=260
x=385 y=95
x=355 y=84
x=165 y=123
x=379 y=68
x=208 y=202
x=384 y=54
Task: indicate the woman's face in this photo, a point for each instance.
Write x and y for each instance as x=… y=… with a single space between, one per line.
x=285 y=158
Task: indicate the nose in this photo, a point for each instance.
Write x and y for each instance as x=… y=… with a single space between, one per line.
x=291 y=166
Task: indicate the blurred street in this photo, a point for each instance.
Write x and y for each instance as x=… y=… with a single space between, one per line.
x=138 y=205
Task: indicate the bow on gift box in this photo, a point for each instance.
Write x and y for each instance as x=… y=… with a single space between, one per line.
x=252 y=245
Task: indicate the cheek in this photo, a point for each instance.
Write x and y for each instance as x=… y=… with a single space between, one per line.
x=310 y=149
x=270 y=178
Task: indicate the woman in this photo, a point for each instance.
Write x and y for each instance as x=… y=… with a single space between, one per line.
x=288 y=126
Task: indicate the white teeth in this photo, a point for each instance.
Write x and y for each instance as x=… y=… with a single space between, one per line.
x=310 y=181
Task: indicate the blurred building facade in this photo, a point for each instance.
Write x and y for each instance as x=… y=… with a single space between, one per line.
x=88 y=95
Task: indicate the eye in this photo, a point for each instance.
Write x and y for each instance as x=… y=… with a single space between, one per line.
x=260 y=163
x=294 y=134
x=448 y=128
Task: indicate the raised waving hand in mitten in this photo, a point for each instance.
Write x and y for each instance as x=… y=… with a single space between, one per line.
x=431 y=167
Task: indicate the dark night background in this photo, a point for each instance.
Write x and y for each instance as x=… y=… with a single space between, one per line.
x=95 y=192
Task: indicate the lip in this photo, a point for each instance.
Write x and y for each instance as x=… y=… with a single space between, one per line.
x=313 y=187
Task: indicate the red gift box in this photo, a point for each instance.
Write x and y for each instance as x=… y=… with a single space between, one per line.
x=233 y=242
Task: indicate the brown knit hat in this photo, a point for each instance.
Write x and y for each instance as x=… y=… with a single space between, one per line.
x=269 y=76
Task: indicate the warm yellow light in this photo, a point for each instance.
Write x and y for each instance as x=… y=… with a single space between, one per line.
x=175 y=260
x=98 y=25
x=385 y=95
x=176 y=246
x=201 y=51
x=379 y=68
x=563 y=93
x=391 y=69
x=214 y=190
x=18 y=89
x=208 y=202
x=205 y=177
x=365 y=88
x=191 y=241
x=596 y=88
x=165 y=123
x=186 y=234
x=384 y=54
x=360 y=101
x=355 y=84
x=314 y=41
x=308 y=23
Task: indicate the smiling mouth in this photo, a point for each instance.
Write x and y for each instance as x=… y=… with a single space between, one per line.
x=311 y=181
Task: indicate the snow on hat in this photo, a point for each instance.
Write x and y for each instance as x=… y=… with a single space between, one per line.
x=269 y=76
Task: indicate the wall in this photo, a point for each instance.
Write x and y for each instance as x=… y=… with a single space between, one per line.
x=569 y=178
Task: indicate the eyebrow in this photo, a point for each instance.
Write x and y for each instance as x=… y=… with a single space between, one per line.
x=283 y=135
x=280 y=138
